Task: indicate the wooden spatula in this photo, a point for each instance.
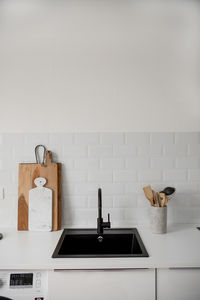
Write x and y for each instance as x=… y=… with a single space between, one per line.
x=159 y=199
x=155 y=198
x=149 y=194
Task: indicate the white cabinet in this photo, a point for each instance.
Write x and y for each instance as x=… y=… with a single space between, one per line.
x=137 y=284
x=179 y=284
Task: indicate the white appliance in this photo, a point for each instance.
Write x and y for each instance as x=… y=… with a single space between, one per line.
x=24 y=284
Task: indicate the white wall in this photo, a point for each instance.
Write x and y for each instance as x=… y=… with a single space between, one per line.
x=89 y=65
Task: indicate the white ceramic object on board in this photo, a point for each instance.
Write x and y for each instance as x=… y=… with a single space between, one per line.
x=40 y=207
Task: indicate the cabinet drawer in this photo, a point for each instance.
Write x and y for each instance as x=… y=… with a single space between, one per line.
x=137 y=284
x=178 y=283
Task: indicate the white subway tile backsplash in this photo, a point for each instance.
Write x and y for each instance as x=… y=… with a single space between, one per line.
x=124 y=176
x=75 y=176
x=161 y=138
x=116 y=215
x=134 y=187
x=125 y=201
x=150 y=150
x=112 y=163
x=81 y=217
x=112 y=138
x=12 y=139
x=162 y=163
x=137 y=138
x=100 y=151
x=185 y=200
x=86 y=164
x=23 y=154
x=93 y=201
x=194 y=175
x=75 y=202
x=124 y=151
x=138 y=163
x=178 y=150
x=113 y=189
x=74 y=151
x=68 y=188
x=120 y=163
x=36 y=139
x=188 y=163
x=142 y=201
x=150 y=175
x=194 y=149
x=143 y=216
x=67 y=164
x=100 y=176
x=131 y=215
x=187 y=138
x=175 y=175
x=61 y=139
x=186 y=215
x=86 y=138
x=86 y=189
x=57 y=153
x=188 y=188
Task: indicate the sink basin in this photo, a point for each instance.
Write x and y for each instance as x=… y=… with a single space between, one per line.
x=85 y=243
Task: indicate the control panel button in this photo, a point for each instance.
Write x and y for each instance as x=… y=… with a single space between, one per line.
x=38 y=283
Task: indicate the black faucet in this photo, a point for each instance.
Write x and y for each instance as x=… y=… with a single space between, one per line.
x=100 y=223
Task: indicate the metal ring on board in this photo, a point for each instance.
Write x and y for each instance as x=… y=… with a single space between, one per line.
x=37 y=154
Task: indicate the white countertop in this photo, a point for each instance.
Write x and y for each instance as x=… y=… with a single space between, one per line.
x=180 y=247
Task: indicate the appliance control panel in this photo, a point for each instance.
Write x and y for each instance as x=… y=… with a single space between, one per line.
x=24 y=284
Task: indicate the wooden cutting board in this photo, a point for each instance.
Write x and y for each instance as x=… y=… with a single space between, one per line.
x=51 y=171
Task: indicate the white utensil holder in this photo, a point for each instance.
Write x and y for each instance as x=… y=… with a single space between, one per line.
x=158 y=219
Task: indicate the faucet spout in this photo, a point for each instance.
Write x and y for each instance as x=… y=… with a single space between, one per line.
x=100 y=223
x=99 y=204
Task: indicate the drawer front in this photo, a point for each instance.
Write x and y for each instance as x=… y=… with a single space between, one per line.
x=178 y=283
x=137 y=284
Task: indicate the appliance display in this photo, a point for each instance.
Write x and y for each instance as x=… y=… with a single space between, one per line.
x=20 y=279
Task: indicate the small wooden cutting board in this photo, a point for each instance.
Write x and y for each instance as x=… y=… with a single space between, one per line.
x=28 y=172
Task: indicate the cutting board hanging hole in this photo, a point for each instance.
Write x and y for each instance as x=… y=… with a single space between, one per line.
x=40 y=182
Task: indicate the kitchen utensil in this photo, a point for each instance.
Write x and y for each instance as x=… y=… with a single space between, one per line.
x=158 y=199
x=149 y=194
x=28 y=172
x=168 y=191
x=40 y=207
x=155 y=198
x=164 y=199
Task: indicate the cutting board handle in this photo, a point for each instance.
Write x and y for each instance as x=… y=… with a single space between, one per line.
x=48 y=159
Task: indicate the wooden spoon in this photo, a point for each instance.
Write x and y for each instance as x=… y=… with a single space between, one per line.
x=149 y=194
x=156 y=199
x=159 y=199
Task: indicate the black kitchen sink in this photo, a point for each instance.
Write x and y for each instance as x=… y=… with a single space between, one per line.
x=87 y=243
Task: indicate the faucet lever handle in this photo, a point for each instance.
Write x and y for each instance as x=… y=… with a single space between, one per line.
x=108 y=217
